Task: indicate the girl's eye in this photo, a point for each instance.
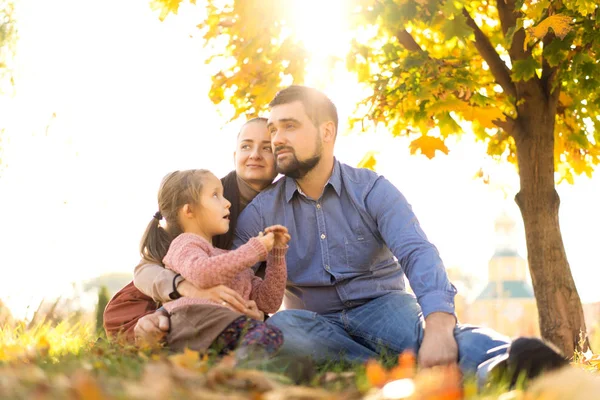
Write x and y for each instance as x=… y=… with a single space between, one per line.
x=215 y=194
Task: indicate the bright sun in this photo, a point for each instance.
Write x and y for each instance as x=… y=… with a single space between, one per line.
x=322 y=26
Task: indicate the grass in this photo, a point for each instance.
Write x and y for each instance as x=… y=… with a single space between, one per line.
x=67 y=360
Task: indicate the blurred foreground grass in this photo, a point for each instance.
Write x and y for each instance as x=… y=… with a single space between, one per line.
x=67 y=360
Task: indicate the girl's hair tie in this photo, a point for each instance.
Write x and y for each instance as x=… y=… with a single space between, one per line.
x=158 y=215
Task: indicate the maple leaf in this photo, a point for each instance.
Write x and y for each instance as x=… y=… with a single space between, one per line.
x=560 y=24
x=368 y=161
x=428 y=145
x=376 y=374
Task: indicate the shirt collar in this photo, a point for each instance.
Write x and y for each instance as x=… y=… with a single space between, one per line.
x=335 y=180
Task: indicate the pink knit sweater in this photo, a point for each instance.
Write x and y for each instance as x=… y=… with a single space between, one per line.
x=206 y=266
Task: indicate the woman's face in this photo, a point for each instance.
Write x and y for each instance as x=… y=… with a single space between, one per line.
x=254 y=161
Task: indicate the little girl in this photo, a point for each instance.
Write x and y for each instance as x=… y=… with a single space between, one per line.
x=195 y=210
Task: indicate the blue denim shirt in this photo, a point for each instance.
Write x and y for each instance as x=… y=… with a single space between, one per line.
x=343 y=244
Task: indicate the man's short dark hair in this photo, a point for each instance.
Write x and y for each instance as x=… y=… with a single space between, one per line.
x=319 y=107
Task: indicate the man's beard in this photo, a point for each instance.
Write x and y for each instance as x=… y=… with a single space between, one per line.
x=297 y=169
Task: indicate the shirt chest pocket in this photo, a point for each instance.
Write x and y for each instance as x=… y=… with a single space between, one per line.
x=360 y=252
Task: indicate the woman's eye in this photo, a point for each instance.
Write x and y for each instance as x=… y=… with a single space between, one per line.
x=245 y=147
x=268 y=148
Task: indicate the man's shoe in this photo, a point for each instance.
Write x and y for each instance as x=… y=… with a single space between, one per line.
x=527 y=358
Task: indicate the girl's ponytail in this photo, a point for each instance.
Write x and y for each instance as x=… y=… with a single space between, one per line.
x=155 y=242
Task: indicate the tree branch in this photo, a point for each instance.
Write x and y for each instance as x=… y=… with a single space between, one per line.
x=548 y=73
x=509 y=125
x=409 y=43
x=508 y=19
x=498 y=68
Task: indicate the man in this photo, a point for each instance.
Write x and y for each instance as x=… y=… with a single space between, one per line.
x=345 y=296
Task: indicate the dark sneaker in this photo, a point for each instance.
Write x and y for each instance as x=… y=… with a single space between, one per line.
x=527 y=358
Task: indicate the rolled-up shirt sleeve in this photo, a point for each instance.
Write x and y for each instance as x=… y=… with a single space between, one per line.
x=418 y=257
x=155 y=281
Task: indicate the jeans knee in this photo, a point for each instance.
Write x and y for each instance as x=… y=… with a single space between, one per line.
x=291 y=319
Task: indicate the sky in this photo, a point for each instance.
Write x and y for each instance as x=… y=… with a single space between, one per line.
x=109 y=99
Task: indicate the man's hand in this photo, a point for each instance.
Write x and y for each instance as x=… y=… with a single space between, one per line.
x=439 y=346
x=151 y=329
x=254 y=312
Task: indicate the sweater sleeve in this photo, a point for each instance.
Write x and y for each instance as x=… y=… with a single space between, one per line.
x=155 y=281
x=268 y=293
x=190 y=257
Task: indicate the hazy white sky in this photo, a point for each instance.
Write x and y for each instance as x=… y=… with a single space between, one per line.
x=129 y=96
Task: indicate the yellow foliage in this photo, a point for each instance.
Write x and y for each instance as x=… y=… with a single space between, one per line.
x=428 y=145
x=368 y=161
x=560 y=24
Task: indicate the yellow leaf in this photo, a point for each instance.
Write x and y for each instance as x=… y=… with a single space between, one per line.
x=565 y=99
x=368 y=161
x=428 y=146
x=560 y=24
x=188 y=359
x=485 y=116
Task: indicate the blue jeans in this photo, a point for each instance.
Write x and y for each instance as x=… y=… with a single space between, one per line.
x=389 y=324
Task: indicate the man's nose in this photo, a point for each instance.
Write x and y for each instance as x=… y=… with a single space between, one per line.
x=277 y=139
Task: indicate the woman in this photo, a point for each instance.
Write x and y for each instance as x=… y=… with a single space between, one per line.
x=254 y=171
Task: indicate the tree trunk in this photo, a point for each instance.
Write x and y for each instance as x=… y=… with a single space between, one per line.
x=560 y=312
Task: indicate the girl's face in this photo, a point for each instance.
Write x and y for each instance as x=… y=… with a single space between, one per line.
x=211 y=216
x=254 y=161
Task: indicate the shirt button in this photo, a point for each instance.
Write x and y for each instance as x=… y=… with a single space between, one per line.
x=318 y=205
x=323 y=236
x=327 y=267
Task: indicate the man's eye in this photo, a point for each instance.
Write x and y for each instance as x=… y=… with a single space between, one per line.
x=289 y=126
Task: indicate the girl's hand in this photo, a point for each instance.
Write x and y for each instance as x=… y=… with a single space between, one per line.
x=253 y=311
x=282 y=237
x=267 y=239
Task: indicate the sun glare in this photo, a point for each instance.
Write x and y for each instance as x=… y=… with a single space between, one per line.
x=323 y=28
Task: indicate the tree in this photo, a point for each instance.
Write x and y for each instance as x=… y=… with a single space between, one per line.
x=522 y=74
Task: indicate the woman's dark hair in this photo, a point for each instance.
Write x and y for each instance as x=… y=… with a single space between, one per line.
x=176 y=190
x=232 y=193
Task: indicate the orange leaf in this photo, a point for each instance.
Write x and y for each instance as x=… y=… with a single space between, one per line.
x=428 y=145
x=376 y=374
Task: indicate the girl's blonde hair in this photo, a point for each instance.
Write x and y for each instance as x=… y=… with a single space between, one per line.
x=176 y=190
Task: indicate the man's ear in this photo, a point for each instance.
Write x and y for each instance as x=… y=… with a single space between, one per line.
x=328 y=131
